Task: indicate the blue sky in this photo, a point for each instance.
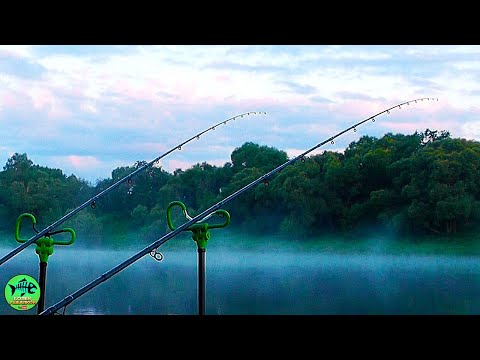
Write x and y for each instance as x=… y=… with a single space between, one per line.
x=90 y=109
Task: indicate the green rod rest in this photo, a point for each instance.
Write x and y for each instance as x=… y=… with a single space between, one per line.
x=44 y=244
x=200 y=230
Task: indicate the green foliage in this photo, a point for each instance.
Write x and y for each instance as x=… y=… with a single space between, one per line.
x=139 y=215
x=251 y=155
x=257 y=210
x=87 y=226
x=411 y=184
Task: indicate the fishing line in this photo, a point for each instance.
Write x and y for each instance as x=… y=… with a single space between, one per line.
x=68 y=299
x=92 y=201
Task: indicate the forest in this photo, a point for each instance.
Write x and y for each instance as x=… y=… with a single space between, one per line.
x=426 y=183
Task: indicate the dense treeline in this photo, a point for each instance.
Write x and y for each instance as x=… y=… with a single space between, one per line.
x=411 y=184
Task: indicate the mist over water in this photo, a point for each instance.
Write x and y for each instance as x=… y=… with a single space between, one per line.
x=256 y=276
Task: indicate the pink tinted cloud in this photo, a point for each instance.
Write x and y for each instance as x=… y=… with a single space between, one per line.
x=10 y=53
x=82 y=162
x=39 y=99
x=36 y=100
x=57 y=110
x=9 y=99
x=137 y=93
x=42 y=98
x=186 y=92
x=75 y=89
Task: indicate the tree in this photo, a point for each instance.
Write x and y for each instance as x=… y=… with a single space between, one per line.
x=18 y=163
x=251 y=155
x=433 y=135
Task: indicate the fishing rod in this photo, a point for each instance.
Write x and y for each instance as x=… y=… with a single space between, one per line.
x=92 y=201
x=153 y=246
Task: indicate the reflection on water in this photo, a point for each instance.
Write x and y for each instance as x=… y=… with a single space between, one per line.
x=256 y=282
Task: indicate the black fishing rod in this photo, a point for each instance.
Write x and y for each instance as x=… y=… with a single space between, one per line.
x=92 y=201
x=152 y=247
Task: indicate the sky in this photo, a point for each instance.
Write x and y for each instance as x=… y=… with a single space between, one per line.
x=88 y=110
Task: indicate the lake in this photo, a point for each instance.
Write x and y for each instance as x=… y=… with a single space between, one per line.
x=273 y=279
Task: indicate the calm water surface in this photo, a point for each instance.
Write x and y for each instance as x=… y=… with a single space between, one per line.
x=255 y=281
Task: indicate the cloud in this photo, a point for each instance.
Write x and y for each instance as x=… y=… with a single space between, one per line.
x=172 y=165
x=471 y=130
x=291 y=153
x=475 y=93
x=298 y=88
x=440 y=53
x=80 y=165
x=15 y=65
x=320 y=99
x=89 y=51
x=354 y=96
x=80 y=162
x=114 y=105
x=232 y=66
x=17 y=51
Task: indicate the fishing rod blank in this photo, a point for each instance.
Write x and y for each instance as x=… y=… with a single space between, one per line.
x=68 y=299
x=128 y=177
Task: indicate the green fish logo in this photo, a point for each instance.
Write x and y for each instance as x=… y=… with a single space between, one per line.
x=22 y=292
x=24 y=286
